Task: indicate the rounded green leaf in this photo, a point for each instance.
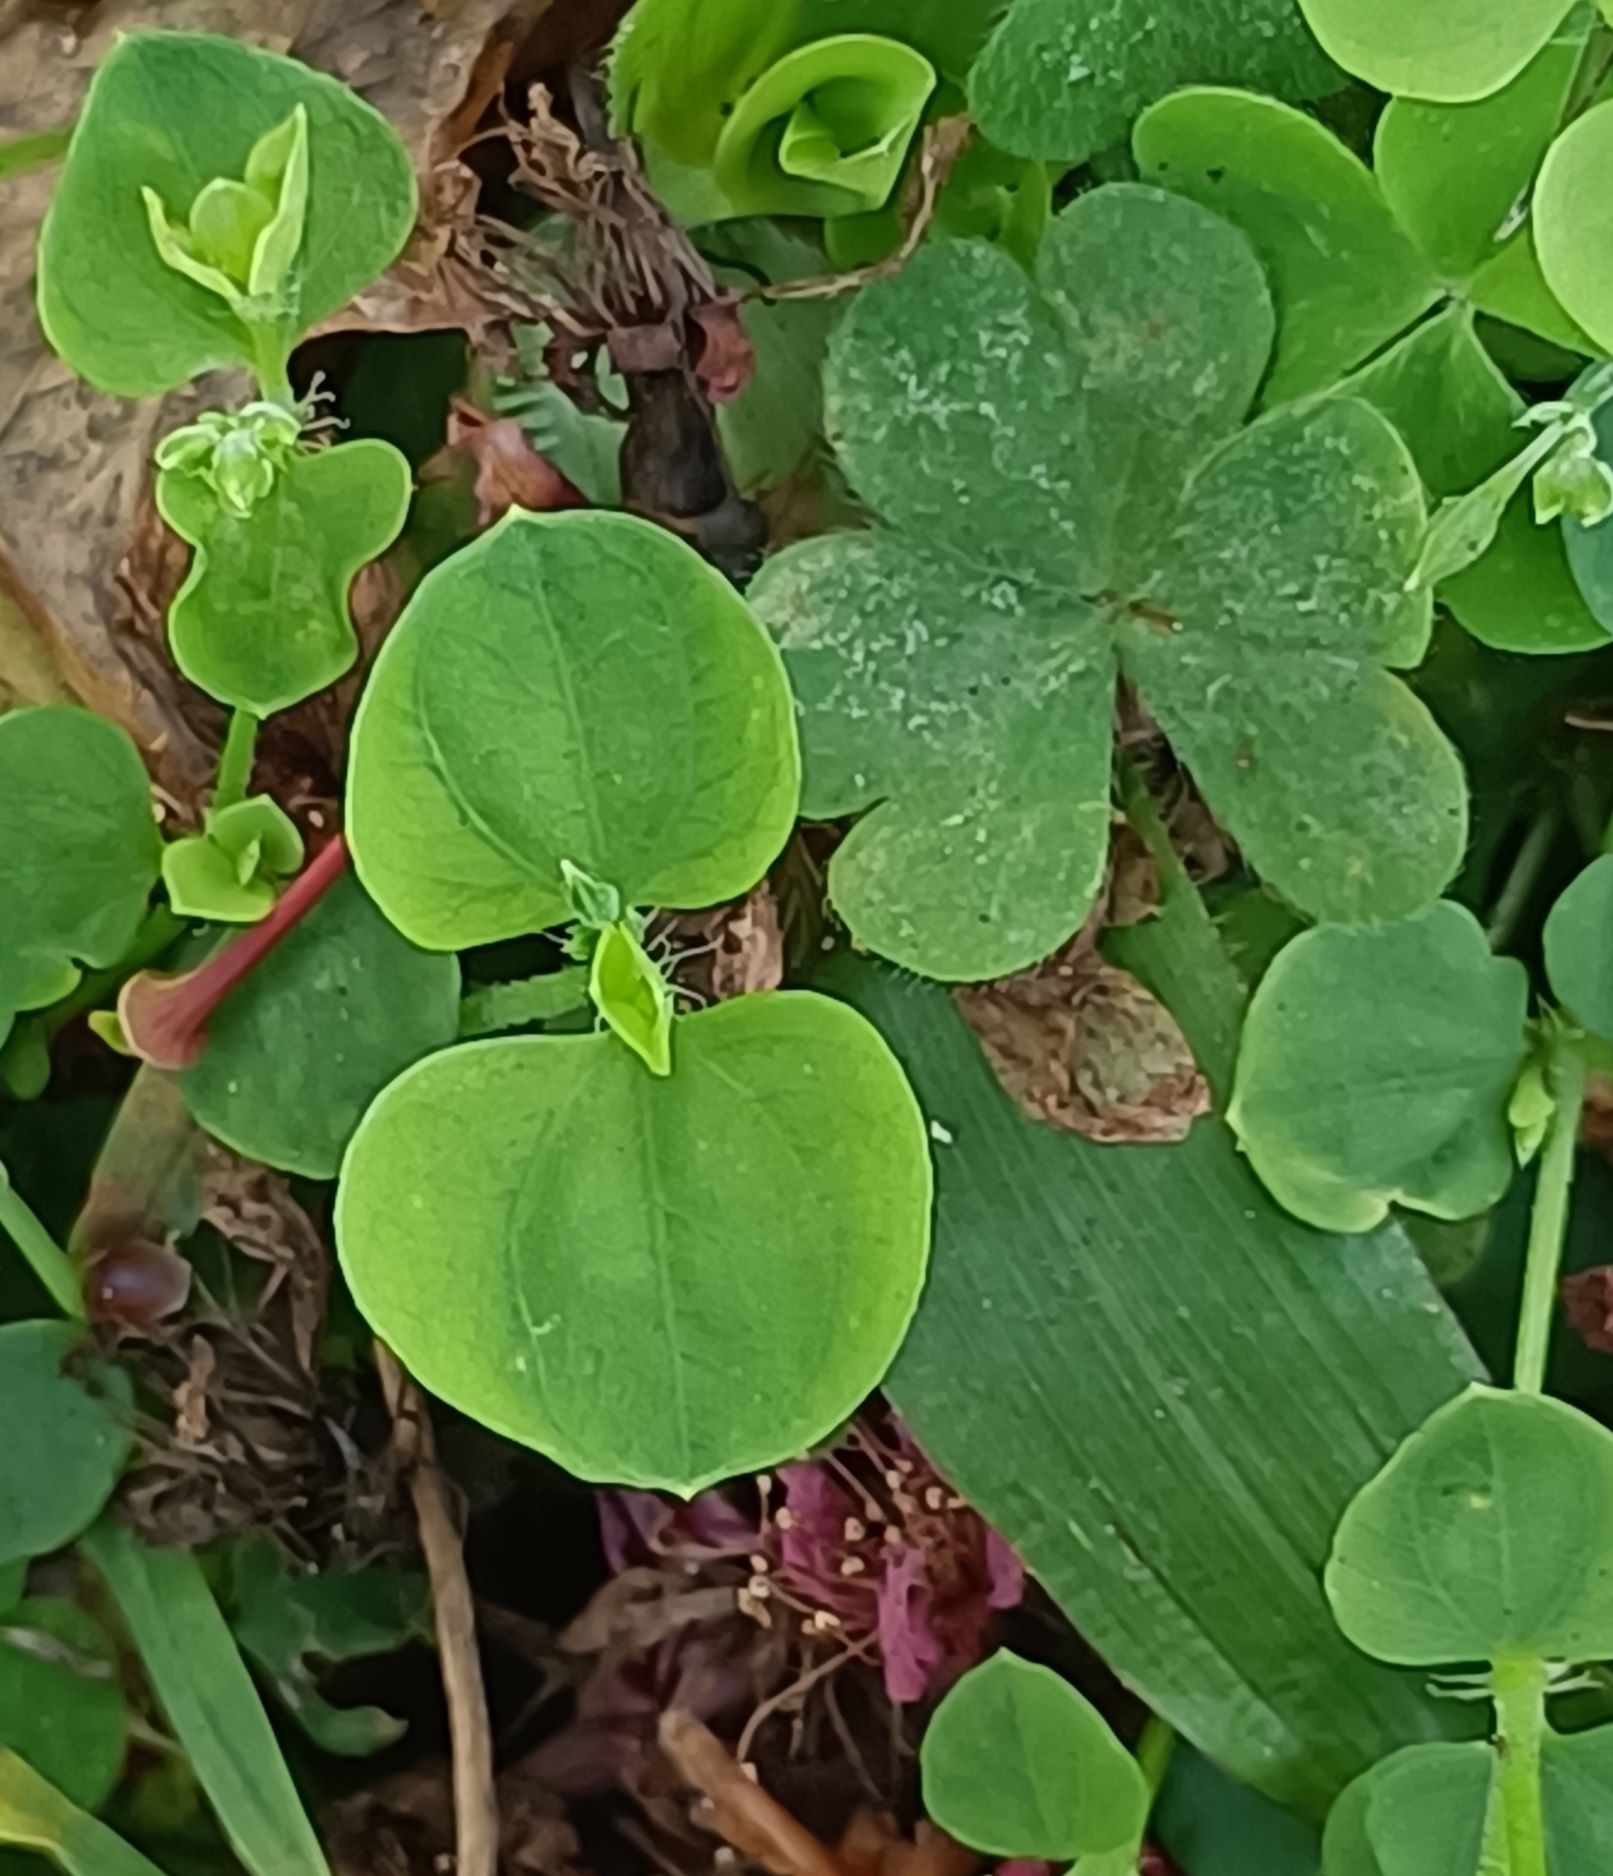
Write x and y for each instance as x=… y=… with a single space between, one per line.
x=1573 y=222
x=578 y=688
x=1016 y=1763
x=1423 y=1811
x=298 y=1051
x=1579 y=947
x=1063 y=80
x=61 y=1707
x=64 y=1446
x=826 y=130
x=1344 y=275
x=1489 y=1534
x=262 y=621
x=79 y=850
x=1576 y=1789
x=1375 y=1068
x=1451 y=51
x=656 y=1281
x=1454 y=174
x=170 y=112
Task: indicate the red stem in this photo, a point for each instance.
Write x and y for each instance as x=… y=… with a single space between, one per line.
x=165 y=1017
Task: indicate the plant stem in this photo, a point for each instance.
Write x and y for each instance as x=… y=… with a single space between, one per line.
x=1521 y=880
x=1155 y=1747
x=1519 y=1687
x=1548 y=1221
x=46 y=1258
x=235 y=762
x=20 y=154
x=271 y=365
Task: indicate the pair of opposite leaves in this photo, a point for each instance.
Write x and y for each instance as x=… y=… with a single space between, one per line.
x=262 y=620
x=656 y=1280
x=1377 y=1066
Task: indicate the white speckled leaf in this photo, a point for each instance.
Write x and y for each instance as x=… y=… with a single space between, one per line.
x=954 y=671
x=1063 y=78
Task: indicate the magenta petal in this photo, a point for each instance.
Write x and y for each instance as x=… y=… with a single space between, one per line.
x=907 y=1644
x=631 y=1525
x=1005 y=1571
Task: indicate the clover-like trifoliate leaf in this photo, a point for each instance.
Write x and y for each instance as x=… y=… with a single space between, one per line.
x=1017 y=1763
x=262 y=621
x=66 y=1438
x=1451 y=51
x=79 y=851
x=576 y=689
x=1489 y=1534
x=1063 y=78
x=1578 y=941
x=61 y=1707
x=171 y=112
x=656 y=1280
x=1068 y=498
x=1423 y=1811
x=230 y=872
x=826 y=130
x=300 y=1048
x=1375 y=1068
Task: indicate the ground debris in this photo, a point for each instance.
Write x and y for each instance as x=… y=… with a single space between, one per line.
x=1081 y=1044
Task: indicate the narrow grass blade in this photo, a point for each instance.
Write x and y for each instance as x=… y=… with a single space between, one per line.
x=35 y=1816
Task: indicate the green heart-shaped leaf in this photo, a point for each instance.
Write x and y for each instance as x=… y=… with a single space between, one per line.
x=298 y=1051
x=1452 y=51
x=1343 y=272
x=79 y=851
x=1016 y=1763
x=64 y=1446
x=1375 y=1068
x=658 y=1281
x=1573 y=219
x=61 y=1707
x=1063 y=79
x=826 y=130
x=1489 y=1534
x=170 y=112
x=1579 y=947
x=1067 y=497
x=577 y=689
x=262 y=621
x=1422 y=1811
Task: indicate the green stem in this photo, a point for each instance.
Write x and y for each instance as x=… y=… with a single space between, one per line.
x=1519 y=1687
x=1566 y=1072
x=1521 y=880
x=1154 y=1750
x=271 y=365
x=20 y=154
x=46 y=1258
x=235 y=763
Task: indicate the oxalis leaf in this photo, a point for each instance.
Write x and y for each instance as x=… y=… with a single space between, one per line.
x=301 y=1048
x=1488 y=1534
x=1063 y=78
x=172 y=112
x=262 y=620
x=1016 y=1763
x=657 y=1280
x=65 y=1445
x=578 y=688
x=1579 y=948
x=1376 y=1067
x=1453 y=51
x=1422 y=1811
x=1068 y=499
x=79 y=851
x=61 y=1706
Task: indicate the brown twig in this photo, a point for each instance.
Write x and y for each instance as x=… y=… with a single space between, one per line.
x=944 y=143
x=476 y=1816
x=740 y=1811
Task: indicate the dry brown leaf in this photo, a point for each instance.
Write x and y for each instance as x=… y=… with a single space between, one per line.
x=1588 y=1304
x=510 y=473
x=1084 y=1047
